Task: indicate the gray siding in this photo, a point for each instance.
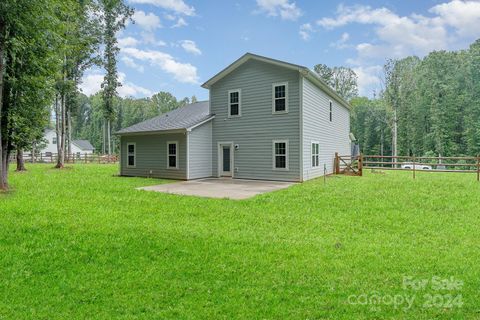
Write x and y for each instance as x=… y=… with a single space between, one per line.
x=257 y=127
x=331 y=136
x=200 y=151
x=151 y=155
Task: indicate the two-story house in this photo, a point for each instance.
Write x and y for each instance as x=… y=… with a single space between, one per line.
x=266 y=119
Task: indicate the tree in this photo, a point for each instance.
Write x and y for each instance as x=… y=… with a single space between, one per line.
x=28 y=45
x=343 y=80
x=115 y=14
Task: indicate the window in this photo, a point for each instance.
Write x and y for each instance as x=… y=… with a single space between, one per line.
x=280 y=155
x=330 y=111
x=234 y=103
x=315 y=154
x=131 y=159
x=280 y=97
x=172 y=155
x=54 y=140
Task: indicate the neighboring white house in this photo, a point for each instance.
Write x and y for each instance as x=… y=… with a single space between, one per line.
x=77 y=146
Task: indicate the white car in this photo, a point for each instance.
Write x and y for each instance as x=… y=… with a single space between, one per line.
x=416 y=165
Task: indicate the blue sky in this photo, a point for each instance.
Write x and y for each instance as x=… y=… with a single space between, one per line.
x=176 y=45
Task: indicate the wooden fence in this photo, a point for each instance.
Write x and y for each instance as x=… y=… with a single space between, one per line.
x=49 y=157
x=355 y=165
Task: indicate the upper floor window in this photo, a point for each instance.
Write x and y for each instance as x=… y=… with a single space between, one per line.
x=234 y=103
x=315 y=154
x=131 y=155
x=330 y=111
x=280 y=155
x=172 y=155
x=280 y=97
x=54 y=140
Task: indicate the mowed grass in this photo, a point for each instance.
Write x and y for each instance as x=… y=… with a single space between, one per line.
x=81 y=243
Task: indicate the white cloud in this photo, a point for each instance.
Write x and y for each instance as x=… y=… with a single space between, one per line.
x=190 y=46
x=463 y=16
x=129 y=89
x=342 y=42
x=147 y=21
x=305 y=31
x=132 y=64
x=91 y=84
x=149 y=38
x=450 y=25
x=182 y=72
x=369 y=79
x=283 y=8
x=177 y=6
x=180 y=23
x=127 y=42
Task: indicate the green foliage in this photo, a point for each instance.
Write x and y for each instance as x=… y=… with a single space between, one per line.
x=343 y=80
x=90 y=246
x=437 y=104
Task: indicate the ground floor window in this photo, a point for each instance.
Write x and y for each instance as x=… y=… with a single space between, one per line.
x=280 y=154
x=131 y=158
x=172 y=155
x=315 y=154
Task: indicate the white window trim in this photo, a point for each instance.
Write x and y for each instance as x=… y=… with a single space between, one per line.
x=330 y=110
x=239 y=103
x=176 y=155
x=286 y=155
x=134 y=154
x=314 y=154
x=273 y=97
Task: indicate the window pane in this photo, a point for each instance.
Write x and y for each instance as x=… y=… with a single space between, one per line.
x=131 y=160
x=316 y=159
x=280 y=105
x=233 y=97
x=313 y=161
x=234 y=109
x=280 y=148
x=172 y=148
x=172 y=161
x=280 y=92
x=131 y=148
x=280 y=162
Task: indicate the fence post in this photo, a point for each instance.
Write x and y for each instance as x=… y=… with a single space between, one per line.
x=360 y=165
x=478 y=167
x=413 y=166
x=337 y=164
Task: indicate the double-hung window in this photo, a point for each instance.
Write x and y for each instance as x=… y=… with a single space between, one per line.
x=280 y=97
x=234 y=103
x=54 y=140
x=315 y=154
x=280 y=155
x=131 y=156
x=172 y=155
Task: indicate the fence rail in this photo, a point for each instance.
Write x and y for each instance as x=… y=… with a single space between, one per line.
x=49 y=157
x=348 y=164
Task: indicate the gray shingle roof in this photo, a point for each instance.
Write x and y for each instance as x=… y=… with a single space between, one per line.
x=83 y=144
x=181 y=118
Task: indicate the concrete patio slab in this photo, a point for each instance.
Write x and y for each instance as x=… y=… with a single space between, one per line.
x=236 y=189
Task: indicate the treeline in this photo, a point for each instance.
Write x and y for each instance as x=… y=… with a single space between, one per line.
x=428 y=106
x=88 y=121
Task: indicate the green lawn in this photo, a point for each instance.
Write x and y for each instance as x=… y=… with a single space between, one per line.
x=81 y=243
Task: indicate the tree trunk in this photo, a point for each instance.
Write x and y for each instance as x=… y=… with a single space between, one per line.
x=59 y=134
x=69 y=130
x=20 y=161
x=109 y=138
x=3 y=174
x=103 y=137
